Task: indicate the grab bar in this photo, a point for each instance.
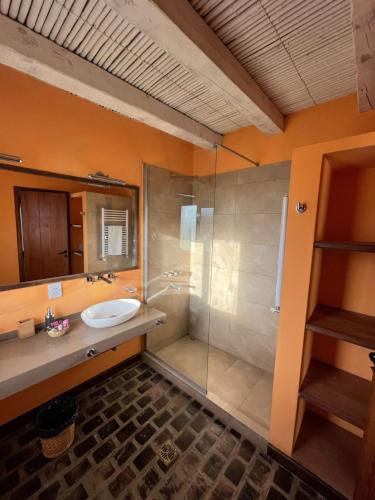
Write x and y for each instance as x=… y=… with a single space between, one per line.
x=280 y=258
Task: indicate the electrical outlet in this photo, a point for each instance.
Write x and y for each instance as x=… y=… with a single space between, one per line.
x=54 y=290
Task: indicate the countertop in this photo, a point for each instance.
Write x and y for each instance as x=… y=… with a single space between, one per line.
x=26 y=362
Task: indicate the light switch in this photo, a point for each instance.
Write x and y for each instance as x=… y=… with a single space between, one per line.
x=54 y=290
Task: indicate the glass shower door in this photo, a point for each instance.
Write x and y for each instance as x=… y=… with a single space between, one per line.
x=177 y=261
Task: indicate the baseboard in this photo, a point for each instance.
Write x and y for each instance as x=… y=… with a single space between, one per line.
x=304 y=474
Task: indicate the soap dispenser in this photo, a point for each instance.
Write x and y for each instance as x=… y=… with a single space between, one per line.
x=49 y=318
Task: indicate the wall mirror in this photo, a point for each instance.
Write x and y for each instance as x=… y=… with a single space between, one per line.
x=56 y=226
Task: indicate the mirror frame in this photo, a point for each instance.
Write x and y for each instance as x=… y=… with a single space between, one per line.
x=84 y=180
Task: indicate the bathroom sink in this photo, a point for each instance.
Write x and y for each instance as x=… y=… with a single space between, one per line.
x=110 y=313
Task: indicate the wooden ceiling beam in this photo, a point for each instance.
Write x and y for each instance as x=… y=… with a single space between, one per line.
x=363 y=22
x=26 y=51
x=177 y=28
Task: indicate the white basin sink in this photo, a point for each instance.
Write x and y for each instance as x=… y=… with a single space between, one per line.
x=110 y=313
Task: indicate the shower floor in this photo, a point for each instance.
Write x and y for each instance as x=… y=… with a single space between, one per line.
x=242 y=389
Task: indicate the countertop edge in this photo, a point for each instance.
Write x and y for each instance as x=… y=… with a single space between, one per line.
x=17 y=383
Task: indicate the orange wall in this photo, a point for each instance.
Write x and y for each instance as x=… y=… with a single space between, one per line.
x=326 y=122
x=305 y=186
x=54 y=130
x=349 y=217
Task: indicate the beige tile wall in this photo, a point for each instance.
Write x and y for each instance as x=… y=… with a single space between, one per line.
x=244 y=263
x=165 y=254
x=235 y=253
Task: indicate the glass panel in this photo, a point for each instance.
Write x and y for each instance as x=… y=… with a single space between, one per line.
x=212 y=261
x=178 y=246
x=243 y=328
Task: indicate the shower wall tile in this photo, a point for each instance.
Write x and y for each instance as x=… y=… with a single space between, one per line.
x=225 y=200
x=247 y=257
x=257 y=228
x=244 y=343
x=273 y=171
x=255 y=288
x=261 y=197
x=165 y=254
x=256 y=317
x=224 y=227
x=168 y=254
x=226 y=254
x=199 y=318
x=224 y=281
x=264 y=173
x=204 y=193
x=227 y=179
x=163 y=202
x=164 y=226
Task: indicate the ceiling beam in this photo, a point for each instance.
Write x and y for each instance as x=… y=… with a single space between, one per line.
x=26 y=51
x=363 y=22
x=177 y=28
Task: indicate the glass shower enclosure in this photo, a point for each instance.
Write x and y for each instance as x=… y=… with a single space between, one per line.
x=213 y=264
x=178 y=215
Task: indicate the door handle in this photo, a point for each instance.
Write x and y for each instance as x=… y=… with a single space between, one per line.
x=65 y=253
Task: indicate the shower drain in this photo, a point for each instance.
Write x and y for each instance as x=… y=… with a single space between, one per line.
x=168 y=452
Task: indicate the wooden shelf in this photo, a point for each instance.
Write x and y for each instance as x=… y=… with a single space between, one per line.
x=353 y=246
x=336 y=391
x=344 y=325
x=329 y=452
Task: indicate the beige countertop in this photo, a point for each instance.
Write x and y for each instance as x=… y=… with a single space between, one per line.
x=26 y=362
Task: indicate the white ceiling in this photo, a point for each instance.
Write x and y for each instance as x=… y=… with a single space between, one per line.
x=300 y=52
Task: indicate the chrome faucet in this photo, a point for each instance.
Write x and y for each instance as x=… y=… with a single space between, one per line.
x=102 y=277
x=91 y=278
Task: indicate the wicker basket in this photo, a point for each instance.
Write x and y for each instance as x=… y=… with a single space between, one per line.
x=54 y=446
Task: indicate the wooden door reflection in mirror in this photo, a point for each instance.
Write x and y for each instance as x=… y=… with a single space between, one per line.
x=51 y=226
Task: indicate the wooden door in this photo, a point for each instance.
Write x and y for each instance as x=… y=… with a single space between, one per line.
x=43 y=233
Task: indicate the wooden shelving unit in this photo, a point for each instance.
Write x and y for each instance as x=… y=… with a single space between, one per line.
x=352 y=327
x=352 y=246
x=329 y=452
x=324 y=448
x=336 y=391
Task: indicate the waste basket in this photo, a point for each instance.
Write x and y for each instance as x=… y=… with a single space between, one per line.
x=55 y=424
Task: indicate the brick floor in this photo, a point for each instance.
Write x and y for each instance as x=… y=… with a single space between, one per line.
x=123 y=423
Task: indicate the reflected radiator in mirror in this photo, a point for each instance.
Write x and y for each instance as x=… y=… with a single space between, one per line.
x=115 y=232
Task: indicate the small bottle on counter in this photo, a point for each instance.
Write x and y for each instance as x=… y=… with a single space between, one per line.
x=49 y=318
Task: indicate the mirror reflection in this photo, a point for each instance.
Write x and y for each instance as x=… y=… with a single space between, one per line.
x=55 y=227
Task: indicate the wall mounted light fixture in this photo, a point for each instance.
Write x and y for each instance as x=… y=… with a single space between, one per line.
x=5 y=157
x=99 y=176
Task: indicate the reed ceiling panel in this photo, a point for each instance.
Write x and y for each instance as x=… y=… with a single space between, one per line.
x=300 y=53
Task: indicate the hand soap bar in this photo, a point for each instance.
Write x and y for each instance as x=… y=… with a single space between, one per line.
x=26 y=328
